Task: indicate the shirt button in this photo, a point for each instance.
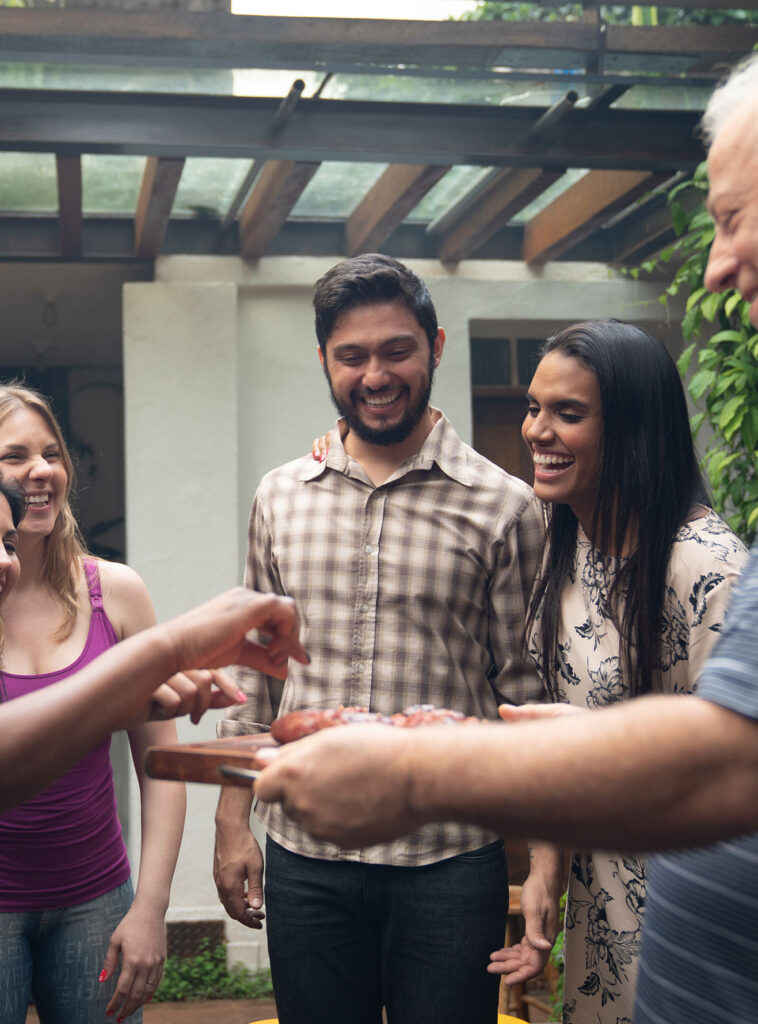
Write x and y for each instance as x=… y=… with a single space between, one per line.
x=369 y=549
x=364 y=607
x=361 y=667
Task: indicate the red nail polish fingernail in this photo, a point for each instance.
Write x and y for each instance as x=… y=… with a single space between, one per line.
x=103 y=975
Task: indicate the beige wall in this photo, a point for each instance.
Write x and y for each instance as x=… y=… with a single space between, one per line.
x=222 y=383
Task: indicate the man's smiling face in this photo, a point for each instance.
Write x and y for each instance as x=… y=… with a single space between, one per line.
x=379 y=365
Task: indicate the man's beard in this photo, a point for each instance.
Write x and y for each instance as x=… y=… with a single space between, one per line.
x=386 y=436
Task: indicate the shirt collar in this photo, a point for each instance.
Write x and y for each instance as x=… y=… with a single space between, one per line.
x=442 y=447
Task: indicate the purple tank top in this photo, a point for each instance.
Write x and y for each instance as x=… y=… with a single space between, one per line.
x=65 y=846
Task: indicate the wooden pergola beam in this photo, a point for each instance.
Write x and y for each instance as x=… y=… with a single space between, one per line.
x=387 y=203
x=507 y=192
x=582 y=208
x=189 y=39
x=279 y=186
x=69 y=173
x=156 y=199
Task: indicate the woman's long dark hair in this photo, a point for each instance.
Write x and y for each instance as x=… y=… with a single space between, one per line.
x=649 y=481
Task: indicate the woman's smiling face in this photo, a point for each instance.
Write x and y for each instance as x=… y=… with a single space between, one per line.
x=563 y=429
x=9 y=567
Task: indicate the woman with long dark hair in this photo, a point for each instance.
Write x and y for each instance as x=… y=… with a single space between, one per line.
x=634 y=583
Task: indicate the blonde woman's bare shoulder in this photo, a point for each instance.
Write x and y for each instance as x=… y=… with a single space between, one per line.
x=125 y=598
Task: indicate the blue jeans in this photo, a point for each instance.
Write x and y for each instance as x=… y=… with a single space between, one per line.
x=56 y=956
x=347 y=938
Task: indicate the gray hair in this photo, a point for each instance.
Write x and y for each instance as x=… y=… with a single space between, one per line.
x=742 y=84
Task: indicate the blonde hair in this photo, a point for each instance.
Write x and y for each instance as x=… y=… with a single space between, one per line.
x=65 y=547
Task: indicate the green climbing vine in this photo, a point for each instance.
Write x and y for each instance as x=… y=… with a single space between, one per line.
x=720 y=363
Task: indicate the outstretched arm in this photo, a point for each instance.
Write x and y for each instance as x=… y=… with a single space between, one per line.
x=659 y=772
x=44 y=733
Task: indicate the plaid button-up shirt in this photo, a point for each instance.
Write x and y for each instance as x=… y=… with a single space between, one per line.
x=413 y=592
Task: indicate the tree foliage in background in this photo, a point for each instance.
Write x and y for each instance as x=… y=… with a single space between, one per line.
x=723 y=367
x=613 y=14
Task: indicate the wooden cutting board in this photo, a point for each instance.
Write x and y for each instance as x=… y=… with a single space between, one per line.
x=201 y=762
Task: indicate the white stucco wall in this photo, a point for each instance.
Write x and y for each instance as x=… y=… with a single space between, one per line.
x=222 y=383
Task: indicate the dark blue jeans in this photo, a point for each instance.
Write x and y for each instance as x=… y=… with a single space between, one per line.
x=346 y=939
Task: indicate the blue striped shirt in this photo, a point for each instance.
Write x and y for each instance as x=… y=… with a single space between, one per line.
x=699 y=960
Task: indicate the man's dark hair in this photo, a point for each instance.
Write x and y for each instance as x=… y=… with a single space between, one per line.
x=365 y=281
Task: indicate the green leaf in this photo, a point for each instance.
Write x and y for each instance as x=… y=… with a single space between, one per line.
x=696 y=422
x=733 y=411
x=695 y=297
x=700 y=383
x=678 y=217
x=728 y=335
x=732 y=302
x=710 y=305
x=683 y=362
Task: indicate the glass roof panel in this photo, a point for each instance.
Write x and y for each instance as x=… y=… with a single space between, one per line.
x=111 y=184
x=652 y=97
x=208 y=185
x=448 y=190
x=29 y=183
x=118 y=78
x=336 y=189
x=388 y=88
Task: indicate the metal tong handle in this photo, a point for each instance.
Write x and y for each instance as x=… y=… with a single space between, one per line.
x=230 y=772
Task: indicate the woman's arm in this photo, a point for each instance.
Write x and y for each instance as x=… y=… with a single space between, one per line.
x=139 y=942
x=43 y=734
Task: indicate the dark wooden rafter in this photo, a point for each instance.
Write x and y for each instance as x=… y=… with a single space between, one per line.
x=507 y=192
x=153 y=124
x=583 y=208
x=651 y=230
x=69 y=172
x=156 y=199
x=387 y=203
x=277 y=188
x=188 y=39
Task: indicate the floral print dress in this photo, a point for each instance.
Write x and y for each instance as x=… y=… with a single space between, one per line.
x=606 y=898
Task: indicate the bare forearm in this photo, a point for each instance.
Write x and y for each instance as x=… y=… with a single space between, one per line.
x=665 y=771
x=233 y=810
x=162 y=810
x=44 y=733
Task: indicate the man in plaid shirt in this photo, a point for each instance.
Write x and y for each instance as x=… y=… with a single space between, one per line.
x=411 y=559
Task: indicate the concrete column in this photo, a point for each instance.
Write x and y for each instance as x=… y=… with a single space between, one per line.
x=181 y=431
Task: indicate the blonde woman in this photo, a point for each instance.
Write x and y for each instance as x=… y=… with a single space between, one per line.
x=73 y=936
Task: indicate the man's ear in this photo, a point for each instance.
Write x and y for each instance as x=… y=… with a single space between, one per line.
x=437 y=347
x=320 y=356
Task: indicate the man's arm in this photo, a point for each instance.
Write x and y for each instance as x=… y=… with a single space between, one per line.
x=519 y=551
x=655 y=773
x=237 y=857
x=42 y=734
